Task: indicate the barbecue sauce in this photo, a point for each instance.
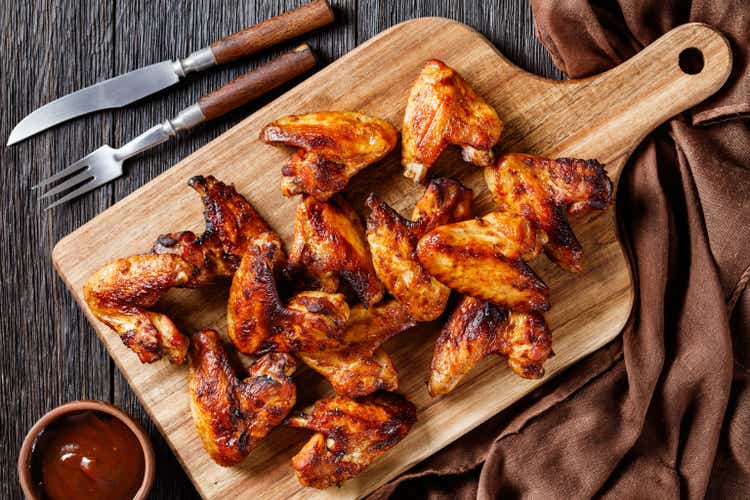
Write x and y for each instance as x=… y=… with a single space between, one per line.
x=87 y=455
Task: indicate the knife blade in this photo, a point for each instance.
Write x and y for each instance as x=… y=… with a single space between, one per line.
x=137 y=84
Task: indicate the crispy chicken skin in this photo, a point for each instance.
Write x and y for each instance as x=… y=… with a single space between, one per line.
x=546 y=191
x=233 y=415
x=334 y=145
x=256 y=315
x=329 y=243
x=478 y=328
x=484 y=258
x=231 y=224
x=349 y=435
x=361 y=367
x=393 y=241
x=443 y=109
x=122 y=293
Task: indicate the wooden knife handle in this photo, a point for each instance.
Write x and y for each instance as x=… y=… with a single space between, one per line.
x=272 y=31
x=247 y=87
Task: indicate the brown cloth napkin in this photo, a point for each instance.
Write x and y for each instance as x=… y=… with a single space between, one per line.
x=664 y=410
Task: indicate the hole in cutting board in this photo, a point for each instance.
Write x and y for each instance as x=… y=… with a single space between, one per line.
x=691 y=61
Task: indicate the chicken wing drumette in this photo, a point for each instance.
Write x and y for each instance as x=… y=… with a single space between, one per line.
x=122 y=293
x=231 y=224
x=361 y=367
x=233 y=415
x=393 y=242
x=257 y=317
x=329 y=244
x=443 y=109
x=477 y=329
x=547 y=191
x=334 y=145
x=350 y=435
x=484 y=258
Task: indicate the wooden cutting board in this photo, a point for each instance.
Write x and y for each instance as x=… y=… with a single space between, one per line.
x=603 y=117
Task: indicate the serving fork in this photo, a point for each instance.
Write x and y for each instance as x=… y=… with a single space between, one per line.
x=105 y=164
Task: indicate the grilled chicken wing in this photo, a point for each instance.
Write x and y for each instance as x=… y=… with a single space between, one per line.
x=232 y=415
x=484 y=258
x=256 y=316
x=443 y=109
x=329 y=243
x=547 y=191
x=122 y=293
x=333 y=146
x=350 y=435
x=478 y=328
x=393 y=241
x=231 y=224
x=361 y=367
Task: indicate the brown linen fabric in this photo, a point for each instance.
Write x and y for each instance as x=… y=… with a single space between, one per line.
x=664 y=410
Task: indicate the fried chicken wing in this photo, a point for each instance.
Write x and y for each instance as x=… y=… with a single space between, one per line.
x=329 y=243
x=122 y=293
x=478 y=328
x=231 y=224
x=256 y=315
x=361 y=367
x=547 y=191
x=393 y=241
x=233 y=415
x=350 y=435
x=443 y=109
x=484 y=258
x=334 y=146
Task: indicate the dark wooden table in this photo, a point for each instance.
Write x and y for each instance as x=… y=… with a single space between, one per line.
x=49 y=353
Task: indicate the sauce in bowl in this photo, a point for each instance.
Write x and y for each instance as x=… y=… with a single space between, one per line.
x=87 y=455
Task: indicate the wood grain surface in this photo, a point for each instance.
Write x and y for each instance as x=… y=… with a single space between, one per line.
x=50 y=354
x=602 y=117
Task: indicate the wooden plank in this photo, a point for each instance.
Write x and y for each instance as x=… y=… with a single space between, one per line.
x=602 y=117
x=48 y=354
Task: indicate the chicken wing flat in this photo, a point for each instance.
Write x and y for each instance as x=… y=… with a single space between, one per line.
x=256 y=315
x=484 y=258
x=443 y=109
x=350 y=435
x=547 y=191
x=478 y=328
x=231 y=224
x=122 y=293
x=393 y=242
x=232 y=415
x=329 y=243
x=361 y=367
x=334 y=146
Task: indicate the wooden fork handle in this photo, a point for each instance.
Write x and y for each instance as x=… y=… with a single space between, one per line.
x=257 y=82
x=272 y=31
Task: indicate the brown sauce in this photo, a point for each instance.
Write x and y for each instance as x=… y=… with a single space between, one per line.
x=88 y=455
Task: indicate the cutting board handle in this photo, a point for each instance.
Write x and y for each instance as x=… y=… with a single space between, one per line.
x=627 y=102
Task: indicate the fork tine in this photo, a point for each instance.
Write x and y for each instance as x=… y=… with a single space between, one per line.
x=69 y=183
x=93 y=184
x=69 y=170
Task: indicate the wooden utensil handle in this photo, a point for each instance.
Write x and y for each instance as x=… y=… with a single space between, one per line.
x=257 y=82
x=272 y=31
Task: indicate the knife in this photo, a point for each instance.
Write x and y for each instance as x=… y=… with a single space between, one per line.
x=130 y=87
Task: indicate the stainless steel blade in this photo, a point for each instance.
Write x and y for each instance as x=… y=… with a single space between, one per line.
x=113 y=93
